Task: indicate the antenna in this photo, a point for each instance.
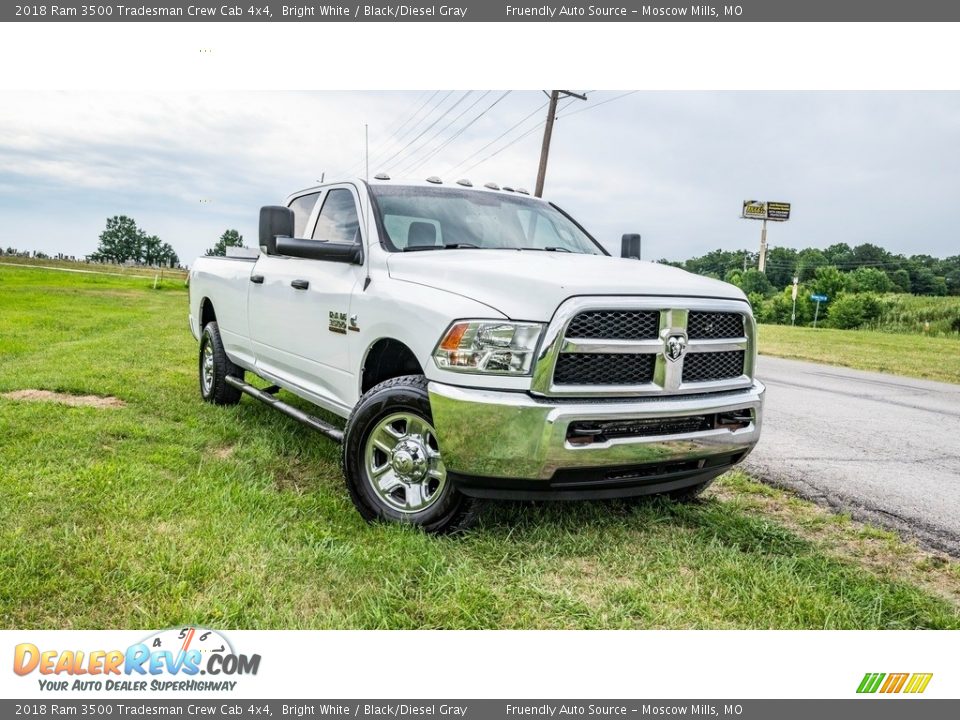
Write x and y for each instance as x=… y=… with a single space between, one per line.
x=366 y=143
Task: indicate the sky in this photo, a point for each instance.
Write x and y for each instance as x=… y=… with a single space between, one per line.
x=879 y=167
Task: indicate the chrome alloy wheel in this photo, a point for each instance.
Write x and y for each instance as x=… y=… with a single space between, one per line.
x=403 y=464
x=206 y=368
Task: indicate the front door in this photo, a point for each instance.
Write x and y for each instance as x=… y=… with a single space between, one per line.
x=300 y=312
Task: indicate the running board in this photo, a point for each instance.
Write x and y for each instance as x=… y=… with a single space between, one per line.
x=264 y=396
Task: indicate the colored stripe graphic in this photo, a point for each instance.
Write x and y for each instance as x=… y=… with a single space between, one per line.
x=870 y=682
x=918 y=683
x=894 y=683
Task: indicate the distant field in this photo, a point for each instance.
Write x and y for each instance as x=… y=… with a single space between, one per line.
x=157 y=509
x=94 y=267
x=934 y=358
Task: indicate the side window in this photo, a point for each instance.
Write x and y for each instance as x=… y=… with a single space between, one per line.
x=302 y=207
x=338 y=221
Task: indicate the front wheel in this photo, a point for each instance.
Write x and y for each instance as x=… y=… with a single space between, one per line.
x=393 y=462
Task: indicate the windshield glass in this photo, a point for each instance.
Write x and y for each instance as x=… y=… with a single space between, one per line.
x=425 y=218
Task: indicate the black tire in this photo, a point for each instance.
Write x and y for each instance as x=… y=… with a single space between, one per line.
x=448 y=510
x=214 y=387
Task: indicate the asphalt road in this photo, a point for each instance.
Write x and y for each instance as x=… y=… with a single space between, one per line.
x=882 y=447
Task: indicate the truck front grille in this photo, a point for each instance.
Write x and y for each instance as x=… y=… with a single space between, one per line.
x=615 y=325
x=641 y=347
x=711 y=366
x=603 y=369
x=714 y=325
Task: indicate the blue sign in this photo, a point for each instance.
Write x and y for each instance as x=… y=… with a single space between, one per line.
x=819 y=298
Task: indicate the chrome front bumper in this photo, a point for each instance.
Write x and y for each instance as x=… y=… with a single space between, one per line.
x=494 y=434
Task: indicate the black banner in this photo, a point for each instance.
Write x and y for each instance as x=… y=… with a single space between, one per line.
x=486 y=11
x=217 y=709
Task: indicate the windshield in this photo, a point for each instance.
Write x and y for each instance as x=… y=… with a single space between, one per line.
x=425 y=218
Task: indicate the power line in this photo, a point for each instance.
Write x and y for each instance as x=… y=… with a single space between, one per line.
x=400 y=136
x=596 y=105
x=515 y=140
x=350 y=170
x=428 y=128
x=498 y=137
x=459 y=132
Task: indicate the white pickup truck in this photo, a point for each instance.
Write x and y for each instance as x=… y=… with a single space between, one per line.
x=479 y=343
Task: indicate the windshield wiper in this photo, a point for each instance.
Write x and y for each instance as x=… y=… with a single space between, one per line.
x=549 y=249
x=448 y=246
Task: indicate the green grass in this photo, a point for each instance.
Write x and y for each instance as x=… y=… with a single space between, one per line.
x=933 y=358
x=170 y=511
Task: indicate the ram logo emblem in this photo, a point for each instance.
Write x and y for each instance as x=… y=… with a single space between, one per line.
x=674 y=346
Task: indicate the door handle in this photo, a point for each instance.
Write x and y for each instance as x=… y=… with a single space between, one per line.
x=300 y=284
x=258 y=279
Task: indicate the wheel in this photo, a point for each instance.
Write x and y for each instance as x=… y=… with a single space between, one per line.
x=214 y=367
x=393 y=464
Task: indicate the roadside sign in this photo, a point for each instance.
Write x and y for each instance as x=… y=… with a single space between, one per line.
x=816 y=313
x=754 y=209
x=762 y=210
x=779 y=211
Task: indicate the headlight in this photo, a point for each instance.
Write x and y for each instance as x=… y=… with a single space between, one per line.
x=488 y=346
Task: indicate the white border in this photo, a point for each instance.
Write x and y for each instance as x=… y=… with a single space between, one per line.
x=520 y=55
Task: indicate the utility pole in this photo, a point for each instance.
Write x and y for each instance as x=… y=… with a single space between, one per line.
x=762 y=263
x=548 y=133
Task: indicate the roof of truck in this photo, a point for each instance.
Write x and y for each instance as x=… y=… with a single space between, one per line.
x=433 y=181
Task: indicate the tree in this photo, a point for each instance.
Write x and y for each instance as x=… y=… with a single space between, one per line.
x=151 y=250
x=901 y=280
x=230 y=238
x=781 y=266
x=869 y=279
x=828 y=281
x=167 y=256
x=755 y=282
x=121 y=241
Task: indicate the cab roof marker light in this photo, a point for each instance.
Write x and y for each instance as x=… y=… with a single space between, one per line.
x=464 y=182
x=523 y=191
x=381 y=176
x=435 y=180
x=508 y=189
x=492 y=186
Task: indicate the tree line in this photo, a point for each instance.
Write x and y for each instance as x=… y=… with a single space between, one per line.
x=865 y=286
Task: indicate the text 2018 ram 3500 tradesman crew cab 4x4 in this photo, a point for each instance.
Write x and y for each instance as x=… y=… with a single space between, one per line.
x=480 y=344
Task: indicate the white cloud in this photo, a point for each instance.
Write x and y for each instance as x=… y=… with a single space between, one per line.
x=859 y=167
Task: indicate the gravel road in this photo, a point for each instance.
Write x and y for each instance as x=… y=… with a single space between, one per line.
x=882 y=447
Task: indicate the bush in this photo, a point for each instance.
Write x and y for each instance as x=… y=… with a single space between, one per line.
x=848 y=312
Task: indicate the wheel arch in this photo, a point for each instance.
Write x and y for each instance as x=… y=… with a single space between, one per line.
x=207 y=313
x=385 y=359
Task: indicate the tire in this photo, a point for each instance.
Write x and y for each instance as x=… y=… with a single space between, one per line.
x=214 y=366
x=392 y=461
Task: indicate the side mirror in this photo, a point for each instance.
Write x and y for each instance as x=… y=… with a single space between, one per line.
x=274 y=220
x=351 y=253
x=630 y=246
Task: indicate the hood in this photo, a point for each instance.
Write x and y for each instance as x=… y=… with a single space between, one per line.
x=530 y=284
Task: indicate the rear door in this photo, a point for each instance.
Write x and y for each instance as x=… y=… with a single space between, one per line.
x=299 y=313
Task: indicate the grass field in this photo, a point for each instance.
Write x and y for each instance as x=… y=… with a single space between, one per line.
x=166 y=510
x=934 y=358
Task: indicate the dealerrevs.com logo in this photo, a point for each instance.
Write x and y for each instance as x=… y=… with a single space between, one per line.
x=179 y=659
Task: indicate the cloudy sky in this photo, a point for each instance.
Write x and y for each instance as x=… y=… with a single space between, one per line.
x=675 y=167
